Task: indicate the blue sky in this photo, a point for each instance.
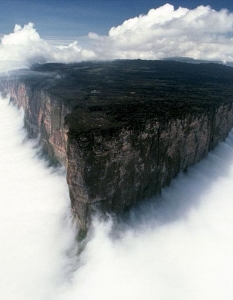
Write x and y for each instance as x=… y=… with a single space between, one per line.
x=70 y=18
x=68 y=31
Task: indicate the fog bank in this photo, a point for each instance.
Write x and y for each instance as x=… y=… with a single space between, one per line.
x=177 y=247
x=35 y=231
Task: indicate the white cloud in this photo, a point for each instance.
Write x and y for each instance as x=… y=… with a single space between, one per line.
x=24 y=46
x=35 y=214
x=178 y=247
x=201 y=33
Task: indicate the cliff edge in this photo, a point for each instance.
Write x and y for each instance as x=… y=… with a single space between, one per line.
x=123 y=129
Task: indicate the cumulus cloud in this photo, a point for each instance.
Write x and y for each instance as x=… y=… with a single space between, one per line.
x=201 y=33
x=25 y=46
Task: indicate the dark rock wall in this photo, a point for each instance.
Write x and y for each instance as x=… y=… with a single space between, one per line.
x=115 y=168
x=44 y=118
x=119 y=168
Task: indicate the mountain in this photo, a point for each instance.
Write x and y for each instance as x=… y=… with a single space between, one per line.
x=123 y=129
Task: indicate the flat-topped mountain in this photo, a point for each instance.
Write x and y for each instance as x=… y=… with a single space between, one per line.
x=125 y=128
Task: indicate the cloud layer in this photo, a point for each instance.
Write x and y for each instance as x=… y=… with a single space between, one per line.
x=178 y=247
x=34 y=216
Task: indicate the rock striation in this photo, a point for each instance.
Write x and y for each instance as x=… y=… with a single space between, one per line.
x=123 y=129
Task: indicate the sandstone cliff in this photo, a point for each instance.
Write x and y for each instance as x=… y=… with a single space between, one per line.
x=124 y=129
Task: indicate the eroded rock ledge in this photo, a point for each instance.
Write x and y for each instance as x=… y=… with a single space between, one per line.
x=123 y=129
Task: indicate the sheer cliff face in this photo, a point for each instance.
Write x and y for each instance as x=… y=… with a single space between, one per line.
x=122 y=142
x=117 y=169
x=44 y=117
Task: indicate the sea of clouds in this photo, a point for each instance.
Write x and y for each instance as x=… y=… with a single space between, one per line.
x=34 y=215
x=176 y=246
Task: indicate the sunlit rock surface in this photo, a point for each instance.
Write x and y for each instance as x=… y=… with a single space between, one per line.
x=123 y=129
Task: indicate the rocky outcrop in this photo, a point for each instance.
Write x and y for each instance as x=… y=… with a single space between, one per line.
x=124 y=129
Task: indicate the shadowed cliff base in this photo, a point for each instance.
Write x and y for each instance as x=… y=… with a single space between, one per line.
x=124 y=129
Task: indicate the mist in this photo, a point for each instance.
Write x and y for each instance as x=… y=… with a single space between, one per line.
x=34 y=216
x=175 y=246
